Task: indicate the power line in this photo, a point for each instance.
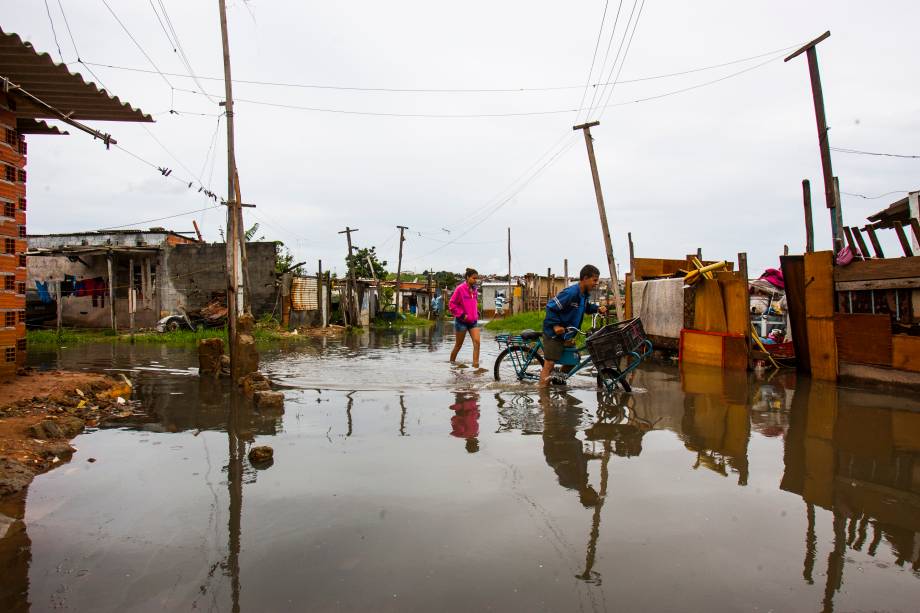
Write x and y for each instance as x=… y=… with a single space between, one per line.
x=137 y=44
x=453 y=90
x=144 y=221
x=616 y=60
x=600 y=32
x=889 y=155
x=899 y=191
x=613 y=33
x=54 y=32
x=176 y=44
x=74 y=43
x=623 y=63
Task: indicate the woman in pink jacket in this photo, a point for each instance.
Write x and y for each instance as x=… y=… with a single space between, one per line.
x=464 y=306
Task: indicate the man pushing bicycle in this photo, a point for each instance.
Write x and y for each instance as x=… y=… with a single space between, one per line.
x=566 y=311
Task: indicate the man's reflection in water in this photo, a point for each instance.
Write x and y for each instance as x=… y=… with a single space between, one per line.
x=465 y=421
x=563 y=450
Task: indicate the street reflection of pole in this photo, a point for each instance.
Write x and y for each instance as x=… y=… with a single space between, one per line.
x=402 y=417
x=348 y=411
x=811 y=545
x=235 y=487
x=596 y=518
x=835 y=561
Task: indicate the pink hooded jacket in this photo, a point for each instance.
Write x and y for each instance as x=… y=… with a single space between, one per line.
x=464 y=301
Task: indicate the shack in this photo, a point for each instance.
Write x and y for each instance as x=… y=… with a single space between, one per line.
x=511 y=303
x=35 y=88
x=857 y=315
x=99 y=276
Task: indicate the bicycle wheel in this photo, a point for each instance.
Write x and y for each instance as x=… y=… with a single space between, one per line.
x=606 y=376
x=504 y=364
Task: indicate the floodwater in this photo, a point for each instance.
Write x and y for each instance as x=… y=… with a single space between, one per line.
x=402 y=484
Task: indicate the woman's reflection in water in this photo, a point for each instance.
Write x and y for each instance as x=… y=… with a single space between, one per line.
x=465 y=421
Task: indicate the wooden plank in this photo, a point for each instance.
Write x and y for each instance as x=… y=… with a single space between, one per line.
x=915 y=226
x=854 y=286
x=902 y=238
x=794 y=278
x=701 y=349
x=709 y=311
x=853 y=246
x=735 y=353
x=822 y=347
x=873 y=238
x=895 y=268
x=737 y=306
x=819 y=284
x=863 y=249
x=905 y=352
x=863 y=338
x=628 y=297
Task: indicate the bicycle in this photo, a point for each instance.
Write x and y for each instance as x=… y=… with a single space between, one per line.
x=607 y=347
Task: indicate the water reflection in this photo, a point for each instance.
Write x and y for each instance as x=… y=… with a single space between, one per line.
x=464 y=423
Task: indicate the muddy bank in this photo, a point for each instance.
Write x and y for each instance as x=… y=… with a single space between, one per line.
x=41 y=412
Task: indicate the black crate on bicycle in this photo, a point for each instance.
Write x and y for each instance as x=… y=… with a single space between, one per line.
x=613 y=341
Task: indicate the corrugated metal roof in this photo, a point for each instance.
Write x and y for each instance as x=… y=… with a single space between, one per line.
x=54 y=84
x=37 y=126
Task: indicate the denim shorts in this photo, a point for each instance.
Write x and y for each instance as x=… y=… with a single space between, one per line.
x=460 y=326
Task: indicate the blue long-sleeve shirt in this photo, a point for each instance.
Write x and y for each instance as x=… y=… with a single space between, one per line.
x=567 y=309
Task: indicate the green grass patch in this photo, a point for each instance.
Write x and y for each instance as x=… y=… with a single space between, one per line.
x=265 y=333
x=68 y=337
x=410 y=321
x=532 y=320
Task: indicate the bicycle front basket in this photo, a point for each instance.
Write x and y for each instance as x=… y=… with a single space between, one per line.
x=610 y=343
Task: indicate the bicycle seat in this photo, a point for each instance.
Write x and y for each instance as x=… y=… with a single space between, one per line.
x=529 y=335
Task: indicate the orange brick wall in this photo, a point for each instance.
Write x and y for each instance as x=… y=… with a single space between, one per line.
x=12 y=337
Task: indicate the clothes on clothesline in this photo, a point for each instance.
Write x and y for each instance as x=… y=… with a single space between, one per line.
x=96 y=288
x=42 y=289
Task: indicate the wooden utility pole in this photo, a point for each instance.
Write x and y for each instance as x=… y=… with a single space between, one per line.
x=549 y=285
x=108 y=261
x=402 y=239
x=350 y=278
x=60 y=306
x=320 y=303
x=132 y=300
x=809 y=226
x=818 y=95
x=234 y=239
x=605 y=228
x=565 y=270
x=510 y=295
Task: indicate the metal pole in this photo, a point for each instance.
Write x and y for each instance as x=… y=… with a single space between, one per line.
x=510 y=295
x=396 y=299
x=605 y=228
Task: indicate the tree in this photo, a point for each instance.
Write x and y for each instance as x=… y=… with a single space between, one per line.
x=251 y=232
x=357 y=264
x=284 y=259
x=444 y=279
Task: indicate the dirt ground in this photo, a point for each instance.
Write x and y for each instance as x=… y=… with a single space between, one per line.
x=41 y=412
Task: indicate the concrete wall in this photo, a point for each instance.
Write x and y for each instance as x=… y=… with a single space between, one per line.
x=197 y=272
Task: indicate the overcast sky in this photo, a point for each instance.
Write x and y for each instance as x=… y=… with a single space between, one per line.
x=717 y=167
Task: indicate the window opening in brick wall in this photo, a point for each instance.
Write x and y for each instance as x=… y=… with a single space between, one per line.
x=22 y=258
x=10 y=354
x=23 y=146
x=9 y=209
x=10 y=173
x=9 y=245
x=21 y=287
x=12 y=139
x=9 y=319
x=21 y=316
x=22 y=204
x=22 y=231
x=22 y=176
x=21 y=345
x=9 y=283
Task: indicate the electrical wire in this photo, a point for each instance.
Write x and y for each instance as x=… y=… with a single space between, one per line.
x=75 y=50
x=623 y=62
x=613 y=32
x=597 y=44
x=899 y=191
x=176 y=45
x=54 y=32
x=145 y=221
x=889 y=155
x=443 y=90
x=137 y=44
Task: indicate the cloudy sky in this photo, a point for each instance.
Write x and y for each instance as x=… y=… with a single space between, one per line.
x=718 y=166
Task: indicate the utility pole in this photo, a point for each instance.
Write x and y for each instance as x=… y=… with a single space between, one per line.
x=830 y=196
x=350 y=279
x=510 y=294
x=234 y=209
x=608 y=243
x=565 y=271
x=396 y=299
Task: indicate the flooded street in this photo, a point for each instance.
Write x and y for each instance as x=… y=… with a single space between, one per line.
x=400 y=483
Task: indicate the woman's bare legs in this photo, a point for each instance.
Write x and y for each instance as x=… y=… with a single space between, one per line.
x=457 y=345
x=474 y=334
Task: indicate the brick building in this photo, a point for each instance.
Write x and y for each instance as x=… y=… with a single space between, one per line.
x=33 y=88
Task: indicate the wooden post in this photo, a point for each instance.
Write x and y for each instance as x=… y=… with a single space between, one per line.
x=809 y=226
x=197 y=231
x=823 y=142
x=346 y=303
x=131 y=296
x=876 y=246
x=785 y=249
x=328 y=301
x=320 y=303
x=60 y=306
x=632 y=256
x=605 y=228
x=108 y=261
x=863 y=248
x=913 y=213
x=902 y=238
x=742 y=266
x=565 y=270
x=428 y=293
x=234 y=239
x=510 y=292
x=852 y=243
x=549 y=286
x=396 y=297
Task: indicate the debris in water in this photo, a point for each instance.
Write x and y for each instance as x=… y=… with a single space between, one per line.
x=262 y=456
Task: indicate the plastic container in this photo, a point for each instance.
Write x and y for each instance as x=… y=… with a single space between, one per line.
x=613 y=341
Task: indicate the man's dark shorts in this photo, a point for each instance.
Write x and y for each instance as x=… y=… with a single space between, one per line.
x=553 y=348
